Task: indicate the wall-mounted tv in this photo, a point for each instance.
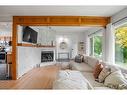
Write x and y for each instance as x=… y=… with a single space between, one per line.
x=29 y=35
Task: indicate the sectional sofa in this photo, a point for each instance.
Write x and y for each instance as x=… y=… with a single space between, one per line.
x=87 y=68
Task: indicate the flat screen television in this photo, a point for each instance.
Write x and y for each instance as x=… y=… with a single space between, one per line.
x=29 y=35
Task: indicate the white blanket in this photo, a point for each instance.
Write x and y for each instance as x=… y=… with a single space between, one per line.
x=68 y=79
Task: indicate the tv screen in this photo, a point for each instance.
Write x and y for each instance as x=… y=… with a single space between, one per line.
x=29 y=35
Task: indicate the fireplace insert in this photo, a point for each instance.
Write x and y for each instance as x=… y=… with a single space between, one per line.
x=47 y=56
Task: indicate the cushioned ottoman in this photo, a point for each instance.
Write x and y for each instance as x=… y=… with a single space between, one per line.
x=69 y=79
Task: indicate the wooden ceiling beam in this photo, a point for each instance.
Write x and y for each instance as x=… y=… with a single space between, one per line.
x=62 y=20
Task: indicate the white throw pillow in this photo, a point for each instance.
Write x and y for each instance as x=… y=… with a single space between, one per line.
x=103 y=74
x=116 y=80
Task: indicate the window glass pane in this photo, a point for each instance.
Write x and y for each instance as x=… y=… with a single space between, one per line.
x=121 y=46
x=98 y=47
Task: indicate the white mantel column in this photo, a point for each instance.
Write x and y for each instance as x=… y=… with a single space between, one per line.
x=109 y=44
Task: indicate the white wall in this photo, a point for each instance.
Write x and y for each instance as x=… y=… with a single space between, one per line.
x=27 y=59
x=5 y=28
x=109 y=44
x=45 y=35
x=72 y=39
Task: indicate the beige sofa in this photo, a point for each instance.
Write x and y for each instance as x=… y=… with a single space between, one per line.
x=87 y=67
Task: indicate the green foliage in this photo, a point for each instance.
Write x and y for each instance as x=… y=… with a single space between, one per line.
x=121 y=44
x=98 y=45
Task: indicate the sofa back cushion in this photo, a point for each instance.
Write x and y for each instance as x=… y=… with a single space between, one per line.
x=114 y=67
x=98 y=68
x=85 y=60
x=92 y=61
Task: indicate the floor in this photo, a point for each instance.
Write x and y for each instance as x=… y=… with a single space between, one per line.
x=37 y=78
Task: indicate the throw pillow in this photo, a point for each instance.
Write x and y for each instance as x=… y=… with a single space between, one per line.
x=98 y=68
x=103 y=74
x=79 y=58
x=116 y=80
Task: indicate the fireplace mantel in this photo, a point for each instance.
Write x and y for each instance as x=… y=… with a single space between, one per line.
x=32 y=45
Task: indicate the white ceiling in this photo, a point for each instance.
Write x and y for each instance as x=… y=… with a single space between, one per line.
x=6 y=12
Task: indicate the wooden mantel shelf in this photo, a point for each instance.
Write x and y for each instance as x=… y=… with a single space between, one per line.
x=32 y=45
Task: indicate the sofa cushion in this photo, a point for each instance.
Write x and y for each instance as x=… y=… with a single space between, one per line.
x=83 y=67
x=89 y=76
x=85 y=59
x=92 y=61
x=113 y=67
x=68 y=79
x=116 y=80
x=98 y=68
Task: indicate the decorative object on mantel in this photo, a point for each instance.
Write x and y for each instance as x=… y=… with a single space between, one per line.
x=38 y=44
x=63 y=45
x=81 y=47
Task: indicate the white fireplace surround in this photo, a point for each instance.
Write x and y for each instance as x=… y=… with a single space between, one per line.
x=29 y=57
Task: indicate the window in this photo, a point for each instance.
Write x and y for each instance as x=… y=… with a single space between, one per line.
x=121 y=46
x=96 y=46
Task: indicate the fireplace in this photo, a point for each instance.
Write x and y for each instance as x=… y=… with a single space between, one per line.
x=47 y=56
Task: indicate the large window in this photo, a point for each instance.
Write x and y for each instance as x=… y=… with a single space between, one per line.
x=96 y=46
x=121 y=46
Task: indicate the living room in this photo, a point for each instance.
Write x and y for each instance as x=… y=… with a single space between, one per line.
x=65 y=39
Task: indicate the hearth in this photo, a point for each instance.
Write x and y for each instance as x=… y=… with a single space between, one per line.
x=47 y=56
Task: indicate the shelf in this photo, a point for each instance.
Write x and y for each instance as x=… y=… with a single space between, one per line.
x=26 y=45
x=45 y=46
x=31 y=45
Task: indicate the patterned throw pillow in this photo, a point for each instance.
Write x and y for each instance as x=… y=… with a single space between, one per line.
x=103 y=74
x=116 y=80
